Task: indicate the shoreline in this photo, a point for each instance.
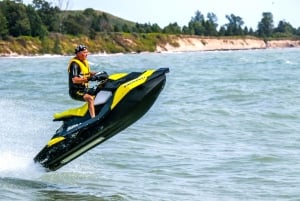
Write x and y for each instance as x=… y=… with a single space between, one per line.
x=188 y=44
x=196 y=44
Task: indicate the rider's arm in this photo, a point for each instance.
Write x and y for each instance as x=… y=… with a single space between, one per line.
x=75 y=73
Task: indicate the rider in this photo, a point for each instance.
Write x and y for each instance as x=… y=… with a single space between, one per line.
x=79 y=77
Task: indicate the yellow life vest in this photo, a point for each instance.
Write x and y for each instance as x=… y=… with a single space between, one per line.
x=84 y=68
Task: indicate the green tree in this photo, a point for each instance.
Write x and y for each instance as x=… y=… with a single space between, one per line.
x=143 y=28
x=298 y=31
x=222 y=31
x=117 y=28
x=17 y=19
x=172 y=28
x=105 y=23
x=266 y=25
x=89 y=12
x=285 y=27
x=156 y=28
x=125 y=28
x=36 y=24
x=73 y=25
x=3 y=26
x=234 y=27
x=96 y=23
x=211 y=25
x=50 y=16
x=92 y=21
x=199 y=17
x=100 y=23
x=251 y=32
x=185 y=30
x=196 y=24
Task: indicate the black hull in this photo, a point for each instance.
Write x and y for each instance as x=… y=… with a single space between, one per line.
x=104 y=126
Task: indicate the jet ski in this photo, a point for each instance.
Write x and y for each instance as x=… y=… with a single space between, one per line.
x=120 y=100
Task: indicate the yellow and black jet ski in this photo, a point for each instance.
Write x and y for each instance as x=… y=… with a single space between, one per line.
x=120 y=100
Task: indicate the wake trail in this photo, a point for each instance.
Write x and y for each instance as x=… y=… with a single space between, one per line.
x=22 y=134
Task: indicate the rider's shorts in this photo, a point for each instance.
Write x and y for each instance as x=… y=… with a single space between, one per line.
x=78 y=94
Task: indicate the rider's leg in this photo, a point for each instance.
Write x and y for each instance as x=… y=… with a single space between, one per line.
x=90 y=100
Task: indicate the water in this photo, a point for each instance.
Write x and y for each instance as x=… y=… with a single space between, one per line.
x=225 y=127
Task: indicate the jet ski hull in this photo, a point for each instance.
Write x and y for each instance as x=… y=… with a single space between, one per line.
x=63 y=149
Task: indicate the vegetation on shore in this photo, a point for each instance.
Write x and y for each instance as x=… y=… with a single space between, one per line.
x=103 y=43
x=43 y=28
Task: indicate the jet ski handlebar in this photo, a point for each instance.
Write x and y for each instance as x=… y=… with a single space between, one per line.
x=100 y=76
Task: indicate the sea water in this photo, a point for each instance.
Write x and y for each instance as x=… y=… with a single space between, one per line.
x=225 y=127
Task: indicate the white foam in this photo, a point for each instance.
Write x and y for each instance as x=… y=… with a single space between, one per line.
x=12 y=164
x=20 y=140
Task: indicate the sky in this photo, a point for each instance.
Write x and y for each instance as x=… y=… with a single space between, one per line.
x=164 y=12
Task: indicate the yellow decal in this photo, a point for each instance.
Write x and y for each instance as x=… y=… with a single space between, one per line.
x=54 y=141
x=79 y=112
x=117 y=76
x=128 y=86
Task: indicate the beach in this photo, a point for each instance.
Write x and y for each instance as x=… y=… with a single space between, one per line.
x=195 y=43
